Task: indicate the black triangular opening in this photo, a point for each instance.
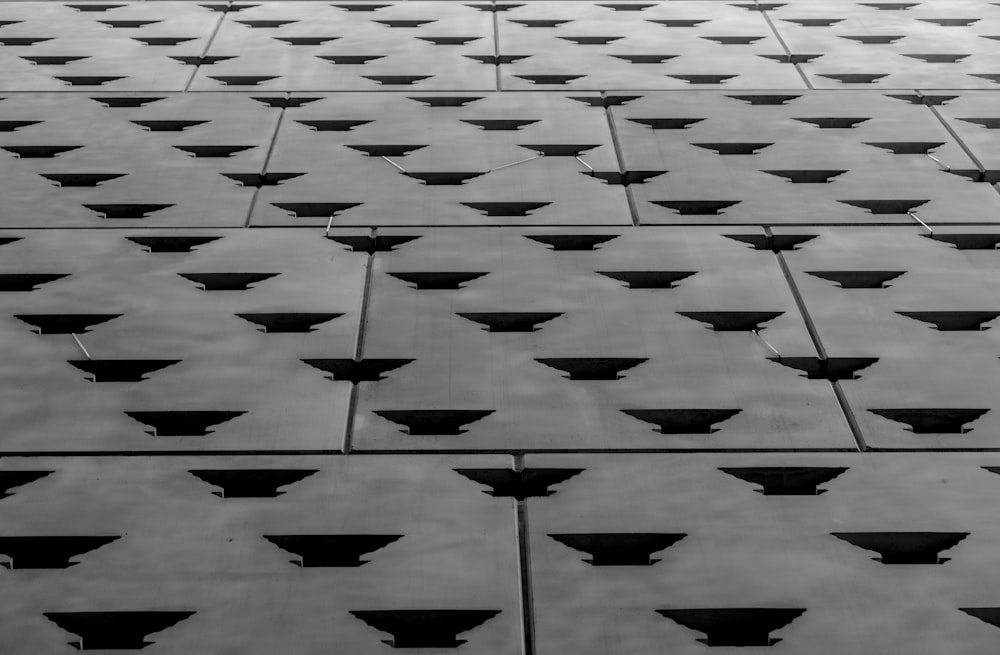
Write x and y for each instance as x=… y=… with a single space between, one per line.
x=331 y=550
x=774 y=242
x=510 y=321
x=126 y=210
x=696 y=207
x=27 y=281
x=520 y=485
x=251 y=483
x=933 y=421
x=733 y=321
x=787 y=480
x=953 y=321
x=171 y=243
x=434 y=421
x=355 y=371
x=572 y=241
x=832 y=369
x=592 y=368
x=749 y=626
x=64 y=323
x=372 y=245
x=648 y=279
x=425 y=628
x=334 y=126
x=886 y=206
x=183 y=423
x=619 y=548
x=315 y=209
x=506 y=208
x=13 y=479
x=226 y=281
x=858 y=279
x=683 y=421
x=438 y=279
x=288 y=322
x=213 y=151
x=48 y=552
x=904 y=547
x=121 y=370
x=114 y=630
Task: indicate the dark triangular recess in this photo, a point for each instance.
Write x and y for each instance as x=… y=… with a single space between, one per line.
x=48 y=552
x=907 y=147
x=360 y=7
x=858 y=279
x=695 y=22
x=832 y=369
x=520 y=485
x=626 y=7
x=438 y=279
x=13 y=479
x=787 y=480
x=425 y=628
x=405 y=23
x=703 y=79
x=540 y=22
x=121 y=370
x=506 y=208
x=954 y=321
x=550 y=79
x=334 y=126
x=355 y=371
x=94 y=7
x=213 y=151
x=195 y=60
x=733 y=40
x=696 y=207
x=171 y=244
x=227 y=7
x=814 y=22
x=976 y=175
x=733 y=321
x=873 y=39
x=27 y=281
x=807 y=176
x=449 y=40
x=889 y=6
x=251 y=483
x=64 y=323
x=126 y=210
x=23 y=40
x=606 y=101
x=350 y=60
x=331 y=550
x=591 y=40
x=734 y=148
x=420 y=422
x=386 y=150
x=856 y=78
x=559 y=149
x=226 y=281
x=683 y=421
x=5 y=240
x=886 y=206
x=277 y=322
x=13 y=126
x=305 y=40
x=163 y=40
x=181 y=423
x=439 y=178
x=921 y=99
x=737 y=626
x=904 y=547
x=770 y=99
x=988 y=123
x=258 y=180
x=242 y=80
x=114 y=630
x=315 y=209
x=389 y=80
x=372 y=245
x=933 y=421
x=648 y=279
x=950 y=22
x=115 y=102
x=666 y=123
x=989 y=615
x=38 y=152
x=624 y=179
x=968 y=241
x=281 y=102
x=496 y=60
x=572 y=241
x=88 y=80
x=592 y=368
x=833 y=122
x=510 y=321
x=500 y=124
x=446 y=101
x=792 y=59
x=266 y=24
x=937 y=58
x=167 y=126
x=81 y=179
x=53 y=60
x=619 y=548
x=773 y=242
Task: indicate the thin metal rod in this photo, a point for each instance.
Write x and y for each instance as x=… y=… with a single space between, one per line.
x=939 y=162
x=589 y=167
x=538 y=156
x=77 y=340
x=394 y=164
x=917 y=219
x=328 y=224
x=764 y=341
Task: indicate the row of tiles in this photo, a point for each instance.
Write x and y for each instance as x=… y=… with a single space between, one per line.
x=444 y=45
x=77 y=160
x=649 y=338
x=732 y=566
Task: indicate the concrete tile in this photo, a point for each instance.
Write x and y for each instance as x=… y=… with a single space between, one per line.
x=792 y=138
x=745 y=549
x=183 y=548
x=461 y=365
x=227 y=363
x=969 y=115
x=343 y=170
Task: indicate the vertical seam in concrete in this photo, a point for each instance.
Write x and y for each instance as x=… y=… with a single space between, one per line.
x=961 y=144
x=524 y=567
x=620 y=156
x=267 y=160
x=784 y=46
x=845 y=407
x=496 y=43
x=359 y=344
x=208 y=46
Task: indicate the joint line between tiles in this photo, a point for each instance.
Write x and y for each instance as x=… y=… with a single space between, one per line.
x=620 y=156
x=524 y=567
x=208 y=46
x=359 y=344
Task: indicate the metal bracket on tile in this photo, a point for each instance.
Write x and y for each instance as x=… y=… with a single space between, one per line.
x=939 y=162
x=401 y=169
x=764 y=341
x=917 y=219
x=79 y=343
x=589 y=167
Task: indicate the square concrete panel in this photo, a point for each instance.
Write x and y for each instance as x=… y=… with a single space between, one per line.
x=146 y=178
x=743 y=549
x=456 y=168
x=181 y=547
x=928 y=325
x=303 y=45
x=716 y=388
x=787 y=157
x=972 y=115
x=203 y=344
x=669 y=45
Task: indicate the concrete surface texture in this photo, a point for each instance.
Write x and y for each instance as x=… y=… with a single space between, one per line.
x=513 y=327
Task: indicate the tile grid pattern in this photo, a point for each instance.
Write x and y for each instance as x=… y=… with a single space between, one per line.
x=524 y=327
